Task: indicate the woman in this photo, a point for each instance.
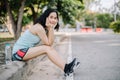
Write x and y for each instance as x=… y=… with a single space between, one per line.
x=43 y=30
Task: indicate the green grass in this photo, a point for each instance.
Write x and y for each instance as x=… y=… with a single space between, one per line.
x=6 y=39
x=5 y=36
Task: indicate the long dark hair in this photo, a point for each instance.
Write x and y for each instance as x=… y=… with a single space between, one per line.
x=42 y=18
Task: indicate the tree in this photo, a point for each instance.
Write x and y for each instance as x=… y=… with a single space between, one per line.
x=104 y=20
x=68 y=9
x=115 y=26
x=35 y=7
x=31 y=9
x=89 y=19
x=15 y=15
x=2 y=12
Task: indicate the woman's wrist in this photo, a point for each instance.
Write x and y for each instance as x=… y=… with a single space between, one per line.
x=50 y=28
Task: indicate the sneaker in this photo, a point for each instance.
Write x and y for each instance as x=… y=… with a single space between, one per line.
x=72 y=66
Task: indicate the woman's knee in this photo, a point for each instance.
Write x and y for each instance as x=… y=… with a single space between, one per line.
x=48 y=48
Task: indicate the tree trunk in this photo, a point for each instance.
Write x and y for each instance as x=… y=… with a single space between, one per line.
x=20 y=16
x=10 y=18
x=9 y=26
x=17 y=28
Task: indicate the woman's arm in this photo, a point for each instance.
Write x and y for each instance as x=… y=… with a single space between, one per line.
x=51 y=35
x=47 y=39
x=50 y=24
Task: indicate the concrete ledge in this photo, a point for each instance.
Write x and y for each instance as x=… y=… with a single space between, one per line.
x=25 y=70
x=15 y=69
x=7 y=71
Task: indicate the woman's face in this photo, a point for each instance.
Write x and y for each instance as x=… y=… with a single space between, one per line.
x=52 y=19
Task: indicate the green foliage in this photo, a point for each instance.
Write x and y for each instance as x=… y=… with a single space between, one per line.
x=6 y=39
x=118 y=17
x=115 y=26
x=104 y=20
x=68 y=9
x=26 y=20
x=89 y=19
x=100 y=20
x=2 y=11
x=15 y=5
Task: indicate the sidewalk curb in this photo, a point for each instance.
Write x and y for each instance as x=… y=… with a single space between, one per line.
x=8 y=70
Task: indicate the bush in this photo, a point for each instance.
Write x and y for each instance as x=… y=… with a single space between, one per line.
x=115 y=26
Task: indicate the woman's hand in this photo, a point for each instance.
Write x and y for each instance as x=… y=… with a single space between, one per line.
x=50 y=24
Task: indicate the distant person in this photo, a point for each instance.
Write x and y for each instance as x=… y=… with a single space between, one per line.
x=43 y=30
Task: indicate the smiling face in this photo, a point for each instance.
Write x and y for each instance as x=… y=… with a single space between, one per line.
x=52 y=19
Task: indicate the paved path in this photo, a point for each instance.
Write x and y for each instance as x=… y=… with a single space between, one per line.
x=99 y=55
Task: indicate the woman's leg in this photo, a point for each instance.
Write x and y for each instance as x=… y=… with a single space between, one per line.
x=51 y=53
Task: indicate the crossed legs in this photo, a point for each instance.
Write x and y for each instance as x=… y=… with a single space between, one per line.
x=50 y=51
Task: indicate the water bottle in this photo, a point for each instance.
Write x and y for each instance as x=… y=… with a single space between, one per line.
x=8 y=52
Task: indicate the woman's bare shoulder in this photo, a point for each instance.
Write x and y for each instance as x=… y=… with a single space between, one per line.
x=38 y=26
x=35 y=28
